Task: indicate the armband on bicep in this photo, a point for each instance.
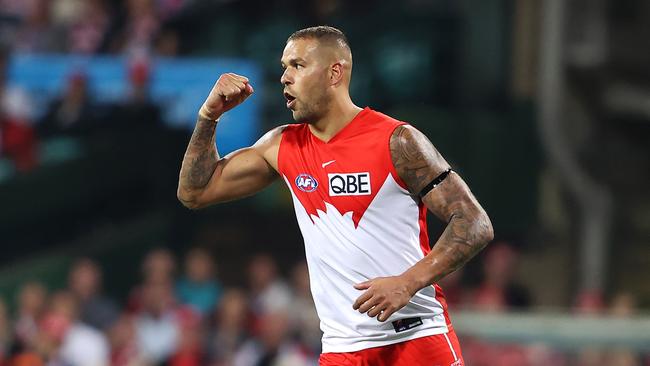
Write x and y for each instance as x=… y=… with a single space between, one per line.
x=435 y=182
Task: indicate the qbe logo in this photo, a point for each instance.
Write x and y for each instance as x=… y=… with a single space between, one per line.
x=306 y=183
x=349 y=184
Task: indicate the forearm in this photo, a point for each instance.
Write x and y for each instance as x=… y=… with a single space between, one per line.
x=466 y=234
x=200 y=160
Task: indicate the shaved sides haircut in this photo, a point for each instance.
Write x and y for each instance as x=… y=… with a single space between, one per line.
x=322 y=33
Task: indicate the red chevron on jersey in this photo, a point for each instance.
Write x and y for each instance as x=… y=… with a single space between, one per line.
x=347 y=171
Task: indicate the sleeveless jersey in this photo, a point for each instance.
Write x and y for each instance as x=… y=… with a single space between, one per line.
x=358 y=222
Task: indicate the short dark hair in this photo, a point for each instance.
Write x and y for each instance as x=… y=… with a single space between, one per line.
x=322 y=33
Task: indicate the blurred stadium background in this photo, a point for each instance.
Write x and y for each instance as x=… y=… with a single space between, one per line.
x=542 y=105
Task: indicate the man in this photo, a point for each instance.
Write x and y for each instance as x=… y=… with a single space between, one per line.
x=361 y=184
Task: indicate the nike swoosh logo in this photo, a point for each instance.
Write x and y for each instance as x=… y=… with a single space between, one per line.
x=328 y=163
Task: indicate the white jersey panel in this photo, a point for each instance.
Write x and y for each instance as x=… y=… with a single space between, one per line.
x=385 y=243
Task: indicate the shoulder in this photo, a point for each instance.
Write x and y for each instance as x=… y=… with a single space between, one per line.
x=268 y=145
x=272 y=137
x=415 y=158
x=405 y=134
x=382 y=118
x=381 y=124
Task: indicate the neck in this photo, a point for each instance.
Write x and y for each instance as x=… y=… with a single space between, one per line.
x=341 y=112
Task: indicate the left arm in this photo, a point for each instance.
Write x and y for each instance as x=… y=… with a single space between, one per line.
x=468 y=227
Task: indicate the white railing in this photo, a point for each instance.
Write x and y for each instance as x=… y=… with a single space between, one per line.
x=559 y=330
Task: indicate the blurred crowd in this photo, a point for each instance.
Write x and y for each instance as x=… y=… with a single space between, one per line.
x=89 y=26
x=168 y=318
x=189 y=317
x=498 y=291
x=74 y=113
x=138 y=29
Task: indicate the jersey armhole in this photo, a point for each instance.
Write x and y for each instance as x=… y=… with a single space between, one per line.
x=393 y=170
x=280 y=167
x=281 y=147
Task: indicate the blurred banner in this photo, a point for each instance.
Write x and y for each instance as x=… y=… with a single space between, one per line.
x=179 y=86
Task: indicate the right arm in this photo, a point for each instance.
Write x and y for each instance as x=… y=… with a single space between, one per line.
x=205 y=177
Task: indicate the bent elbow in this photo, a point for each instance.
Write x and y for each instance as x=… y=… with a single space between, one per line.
x=188 y=200
x=487 y=231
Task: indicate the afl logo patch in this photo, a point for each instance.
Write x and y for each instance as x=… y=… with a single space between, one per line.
x=306 y=183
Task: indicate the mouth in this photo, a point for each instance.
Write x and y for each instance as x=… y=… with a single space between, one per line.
x=291 y=100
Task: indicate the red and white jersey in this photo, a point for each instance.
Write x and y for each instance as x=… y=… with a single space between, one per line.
x=358 y=222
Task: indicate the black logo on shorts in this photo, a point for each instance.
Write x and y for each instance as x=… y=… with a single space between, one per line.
x=402 y=325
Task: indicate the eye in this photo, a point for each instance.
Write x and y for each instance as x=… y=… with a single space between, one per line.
x=299 y=66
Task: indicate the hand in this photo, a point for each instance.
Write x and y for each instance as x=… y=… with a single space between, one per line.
x=227 y=93
x=384 y=296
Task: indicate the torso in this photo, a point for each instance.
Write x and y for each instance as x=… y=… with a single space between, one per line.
x=359 y=222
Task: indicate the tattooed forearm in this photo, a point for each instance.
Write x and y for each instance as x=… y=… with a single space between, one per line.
x=468 y=227
x=466 y=234
x=200 y=159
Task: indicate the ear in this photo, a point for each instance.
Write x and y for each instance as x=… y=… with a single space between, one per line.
x=336 y=76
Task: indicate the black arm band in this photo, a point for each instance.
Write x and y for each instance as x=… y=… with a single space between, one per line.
x=434 y=183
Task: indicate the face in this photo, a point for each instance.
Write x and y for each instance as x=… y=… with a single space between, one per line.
x=85 y=279
x=198 y=266
x=305 y=80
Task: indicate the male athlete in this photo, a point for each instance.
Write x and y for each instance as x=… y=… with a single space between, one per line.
x=361 y=183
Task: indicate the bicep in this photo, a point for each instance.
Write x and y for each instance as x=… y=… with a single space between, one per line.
x=244 y=172
x=237 y=175
x=451 y=197
x=415 y=158
x=418 y=163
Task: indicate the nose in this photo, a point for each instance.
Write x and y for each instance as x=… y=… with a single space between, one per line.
x=285 y=79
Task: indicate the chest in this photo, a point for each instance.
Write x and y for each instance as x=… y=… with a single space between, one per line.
x=347 y=175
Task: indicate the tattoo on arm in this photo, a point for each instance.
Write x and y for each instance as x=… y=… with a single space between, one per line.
x=201 y=156
x=468 y=227
x=416 y=160
x=468 y=230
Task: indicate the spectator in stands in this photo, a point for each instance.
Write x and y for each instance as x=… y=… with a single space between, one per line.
x=273 y=345
x=74 y=343
x=156 y=325
x=31 y=303
x=498 y=291
x=158 y=267
x=85 y=284
x=189 y=350
x=137 y=113
x=72 y=113
x=230 y=328
x=124 y=343
x=199 y=287
x=269 y=293
x=18 y=138
x=87 y=32
x=36 y=33
x=139 y=30
x=302 y=311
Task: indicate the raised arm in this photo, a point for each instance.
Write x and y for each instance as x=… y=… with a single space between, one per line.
x=468 y=229
x=205 y=177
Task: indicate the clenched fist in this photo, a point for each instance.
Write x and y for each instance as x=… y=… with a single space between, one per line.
x=227 y=93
